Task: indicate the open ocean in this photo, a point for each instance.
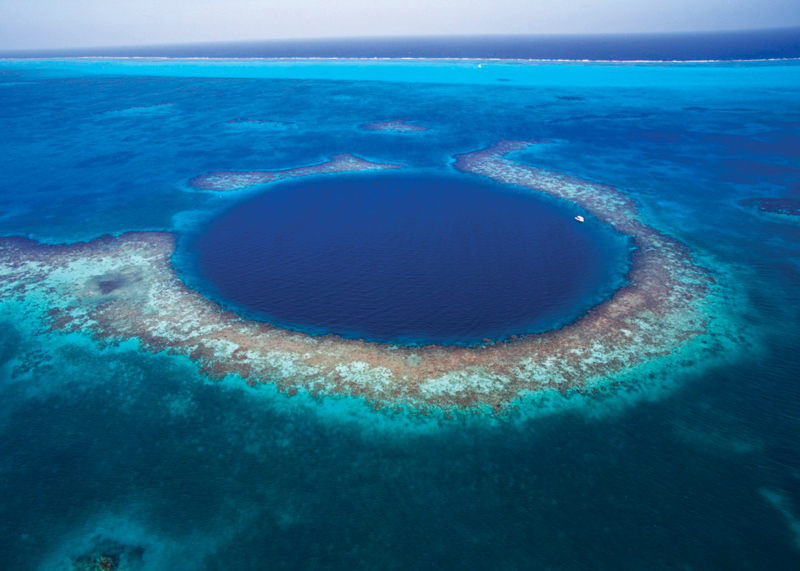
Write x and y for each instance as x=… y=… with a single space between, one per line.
x=111 y=451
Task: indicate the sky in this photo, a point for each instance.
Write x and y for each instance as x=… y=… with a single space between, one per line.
x=32 y=24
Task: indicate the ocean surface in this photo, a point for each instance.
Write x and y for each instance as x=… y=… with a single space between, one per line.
x=108 y=450
x=776 y=43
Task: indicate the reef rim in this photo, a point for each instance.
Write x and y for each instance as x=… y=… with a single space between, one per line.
x=124 y=287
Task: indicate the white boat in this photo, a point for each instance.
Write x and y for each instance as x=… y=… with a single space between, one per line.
x=580 y=219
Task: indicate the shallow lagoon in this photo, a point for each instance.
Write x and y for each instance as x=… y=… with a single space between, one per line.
x=112 y=448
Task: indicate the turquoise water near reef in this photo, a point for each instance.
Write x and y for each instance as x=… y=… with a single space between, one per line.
x=459 y=72
x=113 y=450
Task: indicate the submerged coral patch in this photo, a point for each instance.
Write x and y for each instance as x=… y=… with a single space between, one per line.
x=126 y=287
x=394 y=126
x=245 y=121
x=787 y=209
x=237 y=180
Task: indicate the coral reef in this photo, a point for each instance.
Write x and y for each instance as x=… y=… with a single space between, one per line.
x=108 y=555
x=237 y=180
x=125 y=287
x=395 y=126
x=781 y=209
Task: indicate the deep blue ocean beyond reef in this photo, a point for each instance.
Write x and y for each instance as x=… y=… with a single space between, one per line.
x=413 y=259
x=687 y=46
x=113 y=450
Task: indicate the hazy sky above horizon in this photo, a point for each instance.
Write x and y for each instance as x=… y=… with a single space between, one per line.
x=30 y=24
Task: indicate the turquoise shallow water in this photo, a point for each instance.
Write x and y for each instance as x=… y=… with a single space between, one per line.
x=446 y=71
x=111 y=450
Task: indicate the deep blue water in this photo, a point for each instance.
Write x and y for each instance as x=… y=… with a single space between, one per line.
x=408 y=258
x=111 y=444
x=728 y=45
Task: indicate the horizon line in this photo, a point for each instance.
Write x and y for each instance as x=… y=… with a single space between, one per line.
x=288 y=41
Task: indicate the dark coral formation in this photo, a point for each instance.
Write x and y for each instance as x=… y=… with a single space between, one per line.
x=770 y=205
x=107 y=555
x=125 y=287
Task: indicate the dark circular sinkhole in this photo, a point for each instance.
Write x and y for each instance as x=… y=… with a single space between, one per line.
x=406 y=258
